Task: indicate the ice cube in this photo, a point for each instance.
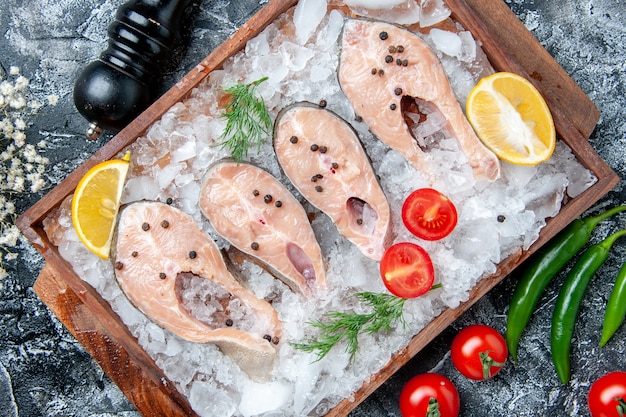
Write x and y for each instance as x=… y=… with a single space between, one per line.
x=434 y=122
x=184 y=152
x=546 y=194
x=129 y=314
x=518 y=175
x=294 y=56
x=140 y=188
x=447 y=42
x=468 y=46
x=433 y=12
x=477 y=240
x=209 y=400
x=374 y=4
x=319 y=73
x=307 y=16
x=403 y=12
x=258 y=45
x=166 y=175
x=262 y=398
x=327 y=36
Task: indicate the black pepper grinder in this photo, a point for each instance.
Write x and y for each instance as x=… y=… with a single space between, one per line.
x=113 y=90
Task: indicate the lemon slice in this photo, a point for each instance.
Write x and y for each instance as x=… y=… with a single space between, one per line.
x=96 y=203
x=512 y=119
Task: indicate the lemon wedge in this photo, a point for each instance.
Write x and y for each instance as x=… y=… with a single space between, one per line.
x=512 y=119
x=96 y=203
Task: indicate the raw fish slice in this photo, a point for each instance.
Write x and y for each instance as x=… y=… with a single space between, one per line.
x=322 y=156
x=380 y=64
x=256 y=213
x=156 y=246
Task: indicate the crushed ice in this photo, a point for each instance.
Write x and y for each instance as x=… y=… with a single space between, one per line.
x=168 y=162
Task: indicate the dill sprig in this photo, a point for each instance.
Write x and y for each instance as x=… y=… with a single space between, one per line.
x=340 y=326
x=247 y=120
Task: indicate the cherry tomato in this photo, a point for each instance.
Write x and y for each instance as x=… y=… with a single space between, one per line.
x=425 y=394
x=607 y=396
x=479 y=352
x=428 y=214
x=407 y=270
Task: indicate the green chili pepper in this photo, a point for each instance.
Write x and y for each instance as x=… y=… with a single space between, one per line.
x=615 y=307
x=569 y=299
x=542 y=267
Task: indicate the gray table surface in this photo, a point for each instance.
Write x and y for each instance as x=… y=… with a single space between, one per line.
x=45 y=372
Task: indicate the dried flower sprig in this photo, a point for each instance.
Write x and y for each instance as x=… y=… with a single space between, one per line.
x=248 y=120
x=337 y=326
x=21 y=166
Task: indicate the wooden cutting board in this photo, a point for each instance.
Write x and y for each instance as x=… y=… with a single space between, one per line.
x=509 y=45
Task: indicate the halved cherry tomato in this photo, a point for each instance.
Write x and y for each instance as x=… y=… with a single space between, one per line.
x=429 y=394
x=407 y=270
x=428 y=214
x=479 y=352
x=607 y=395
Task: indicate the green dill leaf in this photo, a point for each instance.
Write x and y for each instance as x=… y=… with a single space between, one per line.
x=247 y=120
x=337 y=326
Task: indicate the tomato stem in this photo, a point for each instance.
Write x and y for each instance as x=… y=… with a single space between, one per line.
x=487 y=362
x=435 y=286
x=620 y=407
x=433 y=408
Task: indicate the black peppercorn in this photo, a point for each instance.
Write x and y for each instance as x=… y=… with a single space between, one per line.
x=501 y=218
x=393 y=106
x=405 y=62
x=381 y=72
x=268 y=198
x=162 y=275
x=254 y=246
x=293 y=139
x=229 y=322
x=392 y=49
x=193 y=254
x=323 y=103
x=169 y=200
x=388 y=59
x=359 y=221
x=335 y=165
x=134 y=254
x=165 y=224
x=275 y=340
x=398 y=61
x=119 y=265
x=278 y=203
x=314 y=147
x=400 y=49
x=256 y=193
x=374 y=71
x=323 y=149
x=145 y=227
x=319 y=188
x=397 y=91
x=383 y=36
x=267 y=337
